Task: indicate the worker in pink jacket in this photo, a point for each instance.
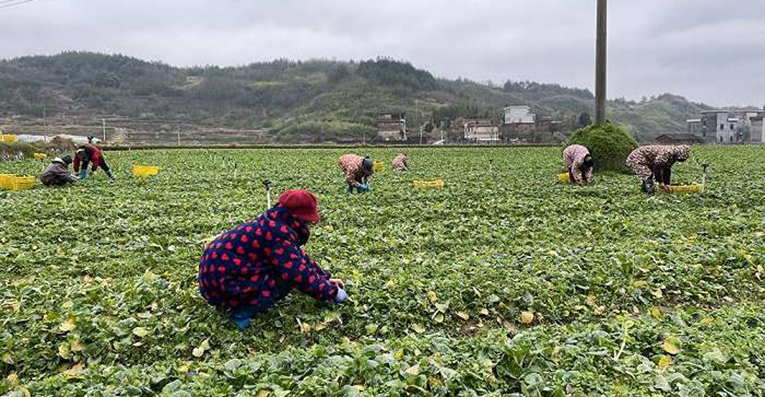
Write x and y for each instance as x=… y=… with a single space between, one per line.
x=357 y=171
x=579 y=163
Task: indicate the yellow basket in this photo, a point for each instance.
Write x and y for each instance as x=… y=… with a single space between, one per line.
x=379 y=166
x=145 y=170
x=10 y=138
x=5 y=180
x=688 y=189
x=40 y=156
x=436 y=183
x=22 y=182
x=564 y=178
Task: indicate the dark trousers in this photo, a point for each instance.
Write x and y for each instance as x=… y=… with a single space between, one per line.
x=103 y=165
x=278 y=293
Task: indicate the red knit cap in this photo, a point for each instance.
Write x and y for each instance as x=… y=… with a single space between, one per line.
x=301 y=203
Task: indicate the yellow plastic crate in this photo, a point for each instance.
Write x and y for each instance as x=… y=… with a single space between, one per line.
x=22 y=182
x=379 y=166
x=145 y=170
x=687 y=189
x=436 y=183
x=5 y=180
x=564 y=178
x=10 y=138
x=40 y=156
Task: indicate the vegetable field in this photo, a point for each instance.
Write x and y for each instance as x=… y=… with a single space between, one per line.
x=502 y=283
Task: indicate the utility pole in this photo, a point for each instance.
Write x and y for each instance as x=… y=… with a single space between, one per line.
x=103 y=124
x=178 y=129
x=600 y=63
x=45 y=128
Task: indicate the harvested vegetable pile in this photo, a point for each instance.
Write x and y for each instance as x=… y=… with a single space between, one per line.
x=502 y=283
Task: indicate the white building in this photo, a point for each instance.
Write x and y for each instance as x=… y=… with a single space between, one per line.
x=726 y=126
x=519 y=115
x=480 y=131
x=715 y=126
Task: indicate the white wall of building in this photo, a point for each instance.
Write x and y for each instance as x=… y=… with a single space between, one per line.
x=724 y=133
x=518 y=114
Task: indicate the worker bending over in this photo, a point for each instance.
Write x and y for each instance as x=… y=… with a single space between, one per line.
x=357 y=170
x=90 y=154
x=579 y=163
x=399 y=163
x=655 y=162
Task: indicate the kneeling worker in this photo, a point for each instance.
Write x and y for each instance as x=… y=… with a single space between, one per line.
x=246 y=270
x=88 y=154
x=57 y=173
x=357 y=170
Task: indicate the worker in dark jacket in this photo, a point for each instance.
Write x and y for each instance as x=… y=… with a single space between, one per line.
x=90 y=154
x=655 y=162
x=246 y=270
x=57 y=173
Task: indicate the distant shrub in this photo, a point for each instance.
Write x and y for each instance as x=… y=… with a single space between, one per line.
x=17 y=150
x=608 y=143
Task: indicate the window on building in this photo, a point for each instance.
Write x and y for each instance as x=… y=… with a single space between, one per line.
x=731 y=127
x=722 y=127
x=731 y=139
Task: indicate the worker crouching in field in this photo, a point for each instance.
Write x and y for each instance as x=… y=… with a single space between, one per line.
x=358 y=171
x=399 y=163
x=90 y=154
x=655 y=162
x=57 y=173
x=579 y=163
x=246 y=270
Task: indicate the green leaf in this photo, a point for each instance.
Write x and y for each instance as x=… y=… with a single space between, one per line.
x=140 y=332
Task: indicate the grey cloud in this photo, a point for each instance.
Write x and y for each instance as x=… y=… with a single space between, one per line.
x=706 y=50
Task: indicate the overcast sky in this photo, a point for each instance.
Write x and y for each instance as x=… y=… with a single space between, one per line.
x=707 y=50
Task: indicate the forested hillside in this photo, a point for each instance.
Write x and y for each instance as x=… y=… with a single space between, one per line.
x=309 y=101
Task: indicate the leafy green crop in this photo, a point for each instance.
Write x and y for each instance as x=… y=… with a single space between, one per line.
x=502 y=283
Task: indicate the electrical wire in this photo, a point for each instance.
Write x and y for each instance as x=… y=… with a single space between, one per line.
x=17 y=2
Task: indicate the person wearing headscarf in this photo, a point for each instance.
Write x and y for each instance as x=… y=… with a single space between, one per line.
x=90 y=154
x=655 y=162
x=400 y=162
x=250 y=268
x=579 y=163
x=57 y=173
x=357 y=170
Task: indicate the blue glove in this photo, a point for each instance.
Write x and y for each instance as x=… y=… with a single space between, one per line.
x=363 y=188
x=341 y=296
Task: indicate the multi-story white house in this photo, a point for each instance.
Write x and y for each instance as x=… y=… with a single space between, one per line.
x=519 y=115
x=480 y=130
x=726 y=127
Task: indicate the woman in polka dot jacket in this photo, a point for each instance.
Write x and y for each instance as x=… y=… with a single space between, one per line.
x=246 y=270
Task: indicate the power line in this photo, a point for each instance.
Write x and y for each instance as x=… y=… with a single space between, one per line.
x=15 y=4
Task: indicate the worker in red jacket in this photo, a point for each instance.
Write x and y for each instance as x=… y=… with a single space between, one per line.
x=246 y=270
x=90 y=154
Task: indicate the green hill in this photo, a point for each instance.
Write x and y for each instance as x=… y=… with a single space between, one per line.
x=309 y=101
